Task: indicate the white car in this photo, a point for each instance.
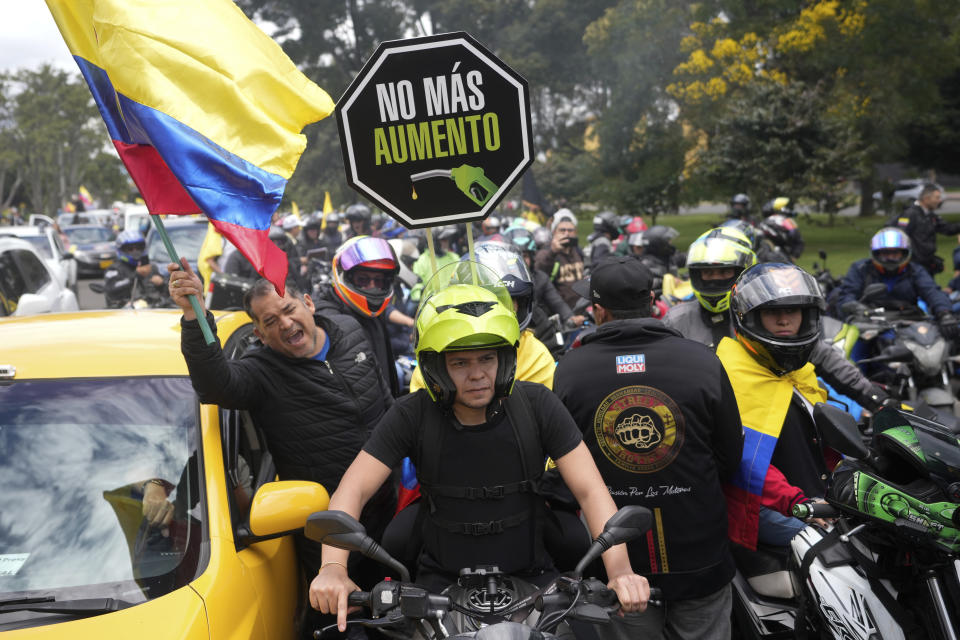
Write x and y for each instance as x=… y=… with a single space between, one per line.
x=905 y=192
x=49 y=245
x=28 y=284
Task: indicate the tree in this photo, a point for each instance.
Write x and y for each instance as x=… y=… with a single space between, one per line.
x=871 y=61
x=53 y=139
x=640 y=144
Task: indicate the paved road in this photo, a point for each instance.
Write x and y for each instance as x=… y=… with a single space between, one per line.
x=951 y=204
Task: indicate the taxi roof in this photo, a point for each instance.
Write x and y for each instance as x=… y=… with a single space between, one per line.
x=94 y=344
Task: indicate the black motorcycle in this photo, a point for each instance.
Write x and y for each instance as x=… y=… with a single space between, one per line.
x=485 y=603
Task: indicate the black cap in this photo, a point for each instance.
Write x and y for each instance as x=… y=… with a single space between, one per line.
x=618 y=283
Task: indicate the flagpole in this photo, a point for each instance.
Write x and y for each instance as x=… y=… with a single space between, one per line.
x=194 y=301
x=473 y=256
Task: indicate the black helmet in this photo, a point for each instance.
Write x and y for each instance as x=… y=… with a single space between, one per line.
x=657 y=241
x=506 y=261
x=606 y=222
x=777 y=285
x=780 y=230
x=281 y=239
x=739 y=206
x=780 y=204
x=313 y=221
x=446 y=232
x=359 y=211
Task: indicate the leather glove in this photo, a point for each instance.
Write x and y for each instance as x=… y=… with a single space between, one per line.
x=948 y=325
x=877 y=399
x=854 y=308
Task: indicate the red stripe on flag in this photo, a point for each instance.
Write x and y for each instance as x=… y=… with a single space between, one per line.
x=160 y=189
x=266 y=257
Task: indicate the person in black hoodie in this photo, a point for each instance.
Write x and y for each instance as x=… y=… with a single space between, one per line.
x=660 y=418
x=313 y=388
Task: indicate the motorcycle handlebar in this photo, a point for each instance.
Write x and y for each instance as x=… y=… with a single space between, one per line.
x=415 y=596
x=606 y=598
x=807 y=510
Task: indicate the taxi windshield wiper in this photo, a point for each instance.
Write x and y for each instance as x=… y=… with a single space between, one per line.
x=80 y=607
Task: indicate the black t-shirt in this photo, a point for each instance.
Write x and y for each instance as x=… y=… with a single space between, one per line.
x=482 y=455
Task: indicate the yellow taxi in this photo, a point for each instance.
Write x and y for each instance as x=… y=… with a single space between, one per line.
x=129 y=509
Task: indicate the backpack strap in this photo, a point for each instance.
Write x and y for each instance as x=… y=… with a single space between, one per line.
x=527 y=432
x=430 y=444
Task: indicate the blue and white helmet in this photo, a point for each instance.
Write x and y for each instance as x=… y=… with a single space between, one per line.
x=130 y=246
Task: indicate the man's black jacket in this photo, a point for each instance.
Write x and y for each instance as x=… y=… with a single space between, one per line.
x=660 y=418
x=923 y=226
x=315 y=415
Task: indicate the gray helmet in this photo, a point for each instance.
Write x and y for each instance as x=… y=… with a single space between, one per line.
x=606 y=222
x=359 y=211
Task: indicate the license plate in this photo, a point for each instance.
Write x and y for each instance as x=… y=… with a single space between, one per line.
x=105 y=263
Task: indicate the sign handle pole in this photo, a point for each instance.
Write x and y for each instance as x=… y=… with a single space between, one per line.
x=194 y=301
x=473 y=256
x=432 y=250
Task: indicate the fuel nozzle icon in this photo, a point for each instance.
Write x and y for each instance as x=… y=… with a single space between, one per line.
x=470 y=180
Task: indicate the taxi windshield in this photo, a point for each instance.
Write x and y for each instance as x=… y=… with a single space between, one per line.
x=82 y=454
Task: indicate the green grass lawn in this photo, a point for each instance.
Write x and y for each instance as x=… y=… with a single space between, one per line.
x=846 y=241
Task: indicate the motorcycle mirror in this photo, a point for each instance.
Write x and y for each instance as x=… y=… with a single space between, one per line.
x=626 y=524
x=898 y=353
x=839 y=430
x=822 y=254
x=873 y=290
x=97 y=287
x=341 y=530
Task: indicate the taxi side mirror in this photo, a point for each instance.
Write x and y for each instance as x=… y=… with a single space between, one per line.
x=282 y=507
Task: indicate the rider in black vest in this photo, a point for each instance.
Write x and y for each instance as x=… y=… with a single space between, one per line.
x=480 y=491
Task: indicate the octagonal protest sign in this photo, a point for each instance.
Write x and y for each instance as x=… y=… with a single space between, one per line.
x=435 y=130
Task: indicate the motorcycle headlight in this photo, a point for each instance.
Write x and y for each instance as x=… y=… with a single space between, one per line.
x=930 y=358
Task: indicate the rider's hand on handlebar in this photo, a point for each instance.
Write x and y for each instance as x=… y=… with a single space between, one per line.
x=329 y=591
x=948 y=325
x=633 y=591
x=854 y=308
x=826 y=523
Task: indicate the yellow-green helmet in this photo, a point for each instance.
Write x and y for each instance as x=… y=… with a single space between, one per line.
x=719 y=248
x=464 y=307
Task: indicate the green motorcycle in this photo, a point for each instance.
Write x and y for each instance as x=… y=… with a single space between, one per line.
x=890 y=567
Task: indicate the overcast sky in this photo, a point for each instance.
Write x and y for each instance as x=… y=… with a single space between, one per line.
x=29 y=37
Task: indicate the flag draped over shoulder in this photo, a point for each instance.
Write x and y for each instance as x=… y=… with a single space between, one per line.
x=203 y=107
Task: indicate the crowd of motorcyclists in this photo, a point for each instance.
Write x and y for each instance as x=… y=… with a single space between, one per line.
x=736 y=290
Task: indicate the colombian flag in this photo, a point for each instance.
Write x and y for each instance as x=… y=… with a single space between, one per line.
x=763 y=400
x=204 y=109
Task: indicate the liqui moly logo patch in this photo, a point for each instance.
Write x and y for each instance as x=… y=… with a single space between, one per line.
x=636 y=363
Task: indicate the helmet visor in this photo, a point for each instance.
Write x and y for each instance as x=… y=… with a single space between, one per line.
x=466 y=272
x=364 y=251
x=505 y=261
x=777 y=285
